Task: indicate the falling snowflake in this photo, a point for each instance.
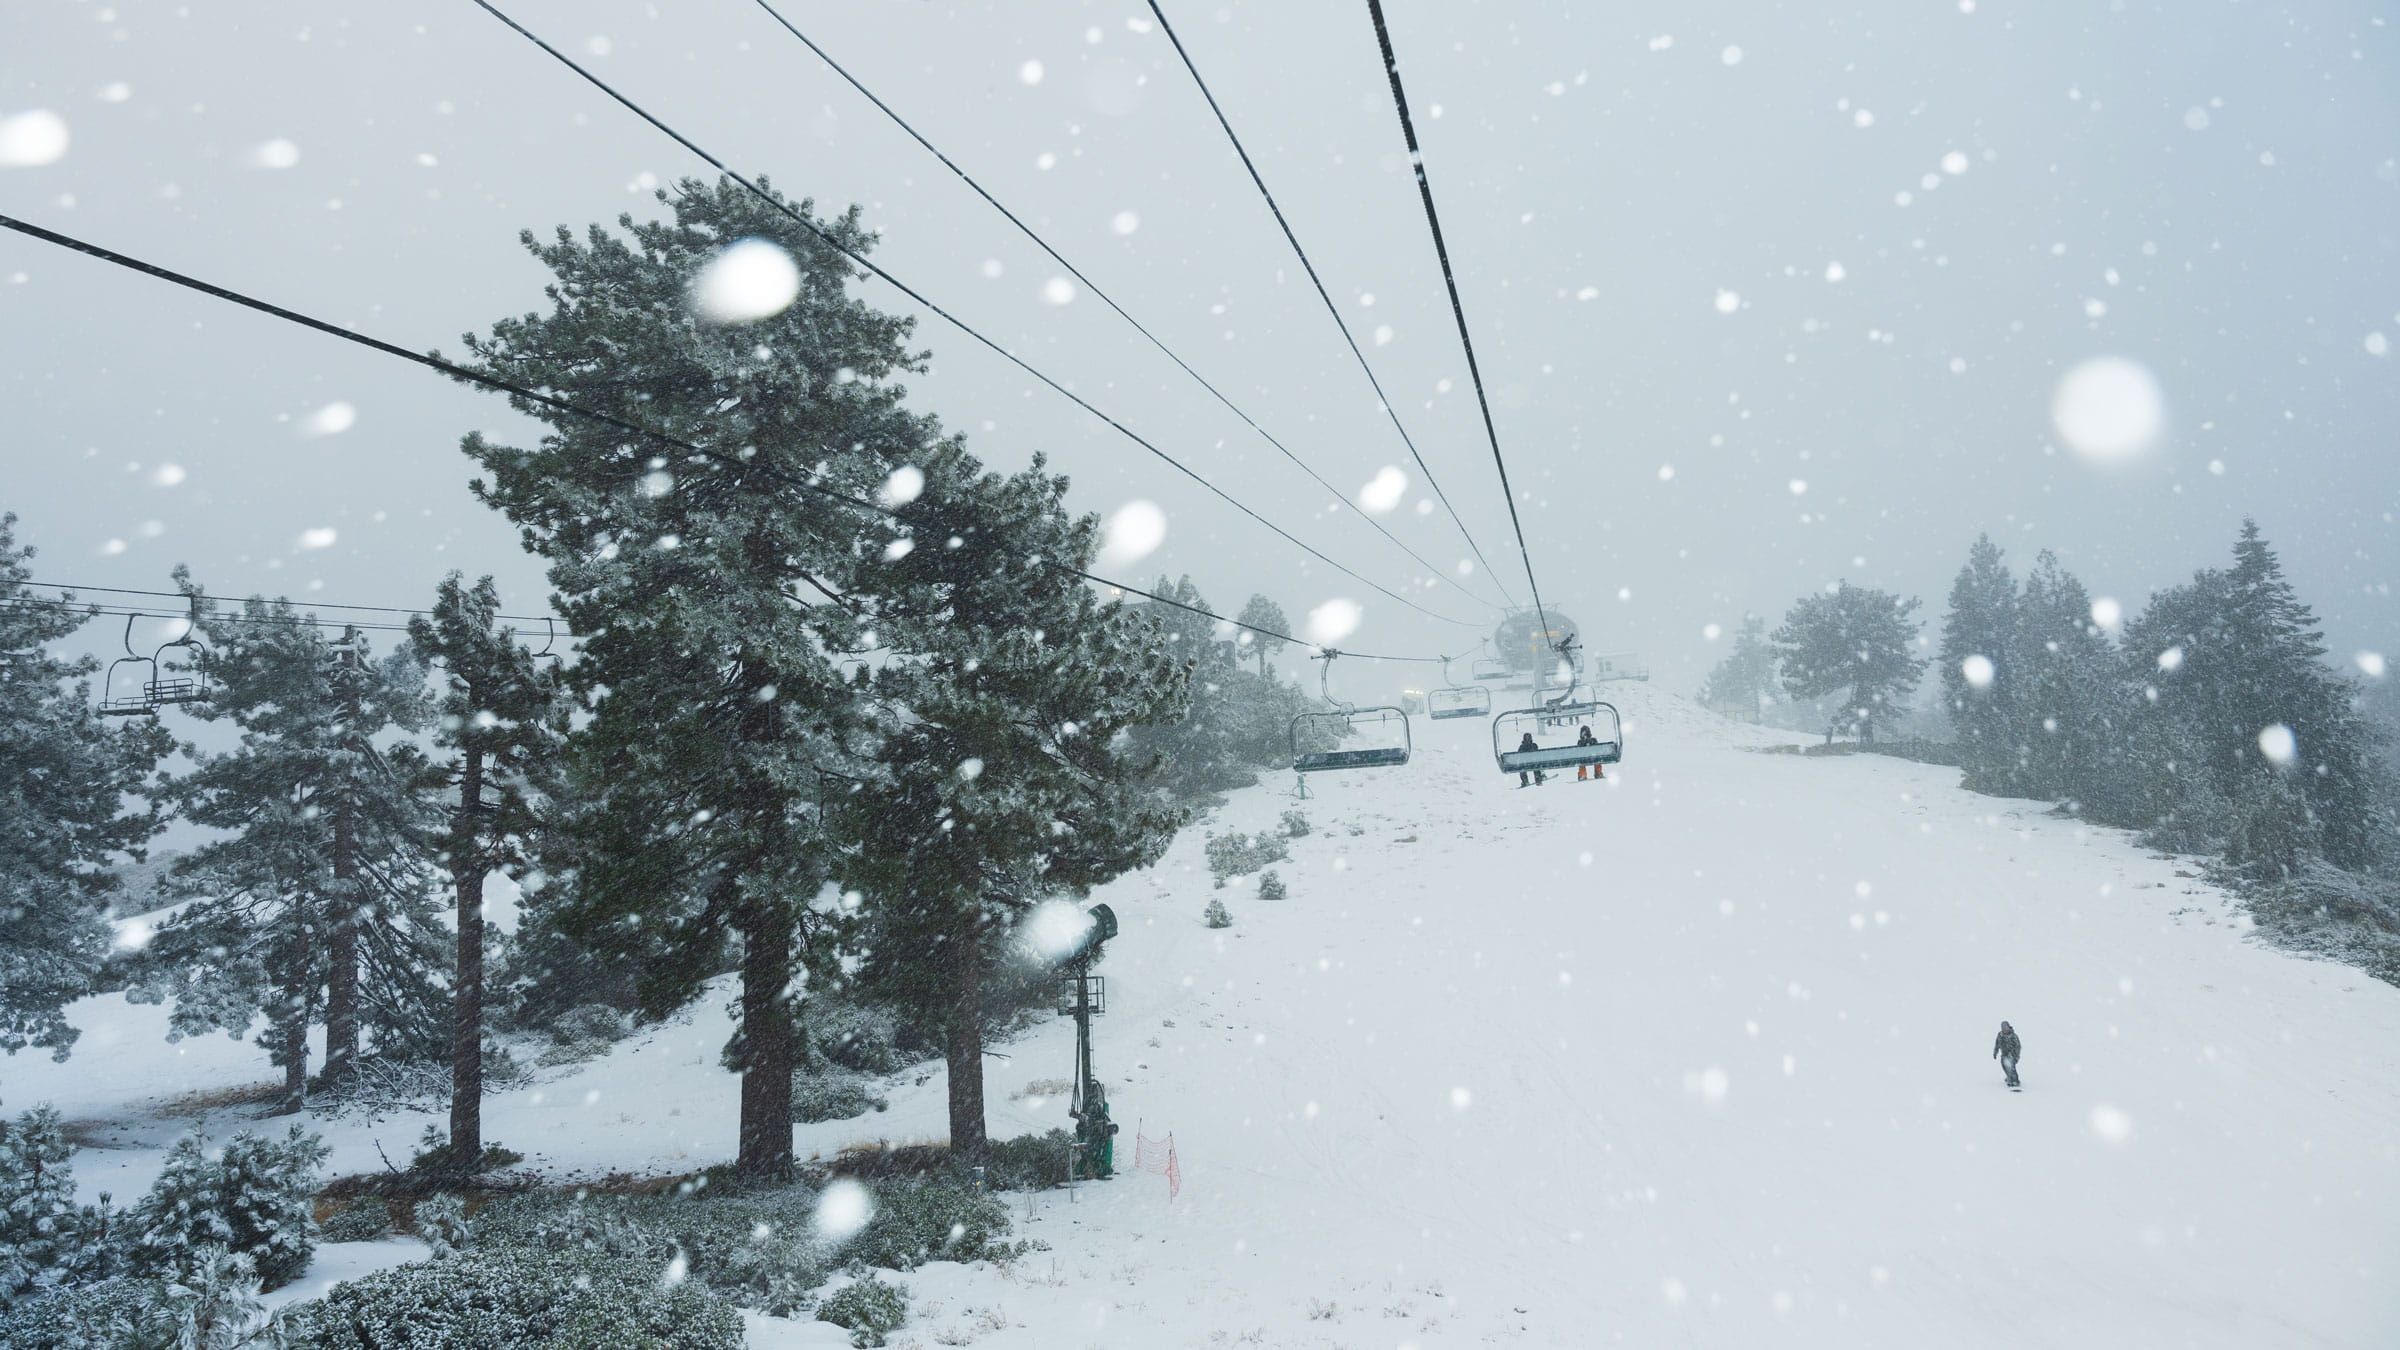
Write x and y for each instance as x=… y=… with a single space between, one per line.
x=1384 y=492
x=31 y=139
x=1334 y=620
x=2278 y=744
x=1132 y=534
x=1978 y=671
x=752 y=279
x=2109 y=409
x=904 y=485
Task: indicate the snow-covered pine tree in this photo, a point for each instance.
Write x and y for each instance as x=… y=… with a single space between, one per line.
x=2232 y=654
x=1236 y=722
x=1260 y=612
x=2067 y=700
x=273 y=924
x=1747 y=674
x=1001 y=780
x=41 y=1233
x=724 y=672
x=250 y=1195
x=64 y=778
x=1854 y=638
x=502 y=721
x=1981 y=699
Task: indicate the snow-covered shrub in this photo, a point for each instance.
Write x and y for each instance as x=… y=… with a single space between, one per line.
x=835 y=1094
x=1027 y=1163
x=1295 y=825
x=2271 y=831
x=583 y=1032
x=251 y=1197
x=502 y=1300
x=45 y=1237
x=78 y=1317
x=1216 y=915
x=442 y=1221
x=362 y=1220
x=755 y=1248
x=2348 y=916
x=1233 y=855
x=869 y=1309
x=917 y=1221
x=851 y=1035
x=1270 y=886
x=433 y=1156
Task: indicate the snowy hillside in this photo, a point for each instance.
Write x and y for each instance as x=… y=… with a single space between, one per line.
x=1698 y=1055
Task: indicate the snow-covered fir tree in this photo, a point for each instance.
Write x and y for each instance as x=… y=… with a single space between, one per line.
x=1261 y=613
x=501 y=721
x=314 y=903
x=1977 y=659
x=1852 y=638
x=45 y=1237
x=1002 y=775
x=2064 y=699
x=724 y=670
x=1746 y=677
x=1237 y=722
x=65 y=775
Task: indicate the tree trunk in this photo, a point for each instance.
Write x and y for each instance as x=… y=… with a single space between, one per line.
x=295 y=1039
x=341 y=940
x=466 y=1009
x=769 y=1045
x=965 y=1048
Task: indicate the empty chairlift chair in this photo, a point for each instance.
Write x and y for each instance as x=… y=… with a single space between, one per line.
x=1556 y=729
x=125 y=690
x=1466 y=700
x=1318 y=737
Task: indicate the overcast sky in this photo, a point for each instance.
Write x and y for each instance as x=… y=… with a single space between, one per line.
x=1766 y=294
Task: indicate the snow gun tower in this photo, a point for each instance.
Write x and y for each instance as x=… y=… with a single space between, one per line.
x=1084 y=996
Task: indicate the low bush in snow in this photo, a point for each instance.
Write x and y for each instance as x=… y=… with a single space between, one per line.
x=855 y=1036
x=1233 y=855
x=1216 y=915
x=251 y=1196
x=920 y=1221
x=755 y=1248
x=505 y=1299
x=835 y=1094
x=46 y=1239
x=362 y=1220
x=433 y=1157
x=583 y=1032
x=1027 y=1163
x=214 y=1306
x=1295 y=825
x=1270 y=887
x=869 y=1309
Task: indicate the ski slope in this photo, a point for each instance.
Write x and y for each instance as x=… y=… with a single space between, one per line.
x=1696 y=1056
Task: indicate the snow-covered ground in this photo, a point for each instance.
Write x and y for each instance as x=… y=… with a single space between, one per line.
x=1695 y=1056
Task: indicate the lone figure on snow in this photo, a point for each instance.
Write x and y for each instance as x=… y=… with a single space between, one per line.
x=2006 y=1047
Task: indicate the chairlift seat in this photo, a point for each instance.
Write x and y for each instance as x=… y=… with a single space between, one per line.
x=1389 y=756
x=1563 y=757
x=178 y=690
x=1467 y=700
x=1510 y=728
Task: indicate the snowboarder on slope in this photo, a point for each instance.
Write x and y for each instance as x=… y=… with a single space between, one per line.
x=2006 y=1047
x=1522 y=747
x=1599 y=771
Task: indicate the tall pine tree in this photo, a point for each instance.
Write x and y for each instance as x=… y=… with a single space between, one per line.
x=64 y=778
x=1746 y=677
x=1002 y=777
x=1979 y=684
x=501 y=720
x=312 y=904
x=726 y=666
x=1262 y=613
x=2065 y=700
x=1851 y=638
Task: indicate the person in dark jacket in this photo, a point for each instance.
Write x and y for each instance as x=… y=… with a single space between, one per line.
x=1599 y=771
x=2006 y=1047
x=1523 y=775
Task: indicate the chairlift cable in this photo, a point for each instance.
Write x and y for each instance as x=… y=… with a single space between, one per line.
x=800 y=219
x=320 y=604
x=1416 y=160
x=1390 y=409
x=1105 y=298
x=459 y=372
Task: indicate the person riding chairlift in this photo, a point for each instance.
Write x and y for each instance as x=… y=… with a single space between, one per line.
x=1523 y=747
x=1599 y=771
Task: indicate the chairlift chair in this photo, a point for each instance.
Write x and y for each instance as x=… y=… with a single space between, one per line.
x=191 y=687
x=1385 y=726
x=1467 y=700
x=1489 y=670
x=1510 y=728
x=137 y=703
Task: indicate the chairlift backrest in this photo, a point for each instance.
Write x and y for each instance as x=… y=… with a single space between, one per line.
x=1384 y=726
x=1468 y=700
